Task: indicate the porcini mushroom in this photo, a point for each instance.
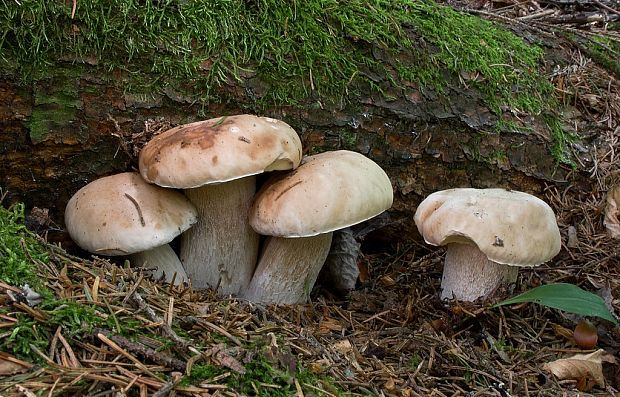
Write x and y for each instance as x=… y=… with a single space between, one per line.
x=215 y=161
x=300 y=209
x=488 y=234
x=123 y=215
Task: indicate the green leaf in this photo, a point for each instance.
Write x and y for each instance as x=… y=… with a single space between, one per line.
x=566 y=297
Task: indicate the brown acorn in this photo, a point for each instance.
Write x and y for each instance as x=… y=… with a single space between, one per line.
x=585 y=335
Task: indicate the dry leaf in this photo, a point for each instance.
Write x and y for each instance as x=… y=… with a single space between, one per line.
x=319 y=366
x=346 y=349
x=364 y=275
x=343 y=347
x=387 y=281
x=328 y=325
x=10 y=365
x=562 y=332
x=611 y=212
x=220 y=355
x=584 y=368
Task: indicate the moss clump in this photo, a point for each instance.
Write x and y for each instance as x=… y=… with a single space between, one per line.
x=262 y=378
x=606 y=52
x=561 y=141
x=295 y=49
x=18 y=249
x=20 y=254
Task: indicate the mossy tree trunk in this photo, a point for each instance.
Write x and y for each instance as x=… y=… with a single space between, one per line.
x=54 y=143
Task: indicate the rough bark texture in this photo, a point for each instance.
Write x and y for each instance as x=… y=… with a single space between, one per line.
x=51 y=146
x=220 y=250
x=469 y=275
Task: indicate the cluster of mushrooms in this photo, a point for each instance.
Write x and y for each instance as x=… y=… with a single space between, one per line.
x=221 y=216
x=268 y=243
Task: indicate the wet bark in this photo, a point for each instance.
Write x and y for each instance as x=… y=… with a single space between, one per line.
x=59 y=133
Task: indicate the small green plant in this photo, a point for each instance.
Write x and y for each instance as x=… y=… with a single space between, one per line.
x=414 y=361
x=566 y=297
x=25 y=335
x=502 y=345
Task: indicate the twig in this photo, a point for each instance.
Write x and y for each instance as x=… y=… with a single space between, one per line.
x=135 y=203
x=167 y=387
x=143 y=351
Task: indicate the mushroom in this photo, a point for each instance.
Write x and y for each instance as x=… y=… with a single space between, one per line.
x=123 y=215
x=488 y=234
x=216 y=161
x=300 y=209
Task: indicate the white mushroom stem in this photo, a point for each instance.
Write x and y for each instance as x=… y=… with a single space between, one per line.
x=468 y=274
x=288 y=269
x=164 y=262
x=220 y=250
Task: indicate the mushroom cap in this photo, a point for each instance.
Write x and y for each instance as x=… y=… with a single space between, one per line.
x=219 y=150
x=328 y=191
x=122 y=214
x=509 y=227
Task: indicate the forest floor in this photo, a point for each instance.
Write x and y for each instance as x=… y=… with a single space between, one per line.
x=119 y=333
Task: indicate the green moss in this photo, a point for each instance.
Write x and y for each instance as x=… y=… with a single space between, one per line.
x=348 y=139
x=55 y=107
x=561 y=141
x=18 y=249
x=504 y=125
x=261 y=378
x=202 y=373
x=280 y=52
x=295 y=49
x=606 y=52
x=489 y=57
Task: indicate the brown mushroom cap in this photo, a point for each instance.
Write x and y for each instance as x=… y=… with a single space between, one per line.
x=327 y=192
x=122 y=214
x=219 y=150
x=509 y=227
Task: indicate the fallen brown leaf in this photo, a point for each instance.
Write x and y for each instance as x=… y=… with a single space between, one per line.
x=10 y=365
x=221 y=355
x=328 y=325
x=586 y=369
x=611 y=212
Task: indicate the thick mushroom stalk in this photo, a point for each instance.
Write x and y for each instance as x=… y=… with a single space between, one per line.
x=163 y=262
x=221 y=238
x=288 y=269
x=468 y=274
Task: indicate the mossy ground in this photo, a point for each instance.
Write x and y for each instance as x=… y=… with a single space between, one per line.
x=25 y=259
